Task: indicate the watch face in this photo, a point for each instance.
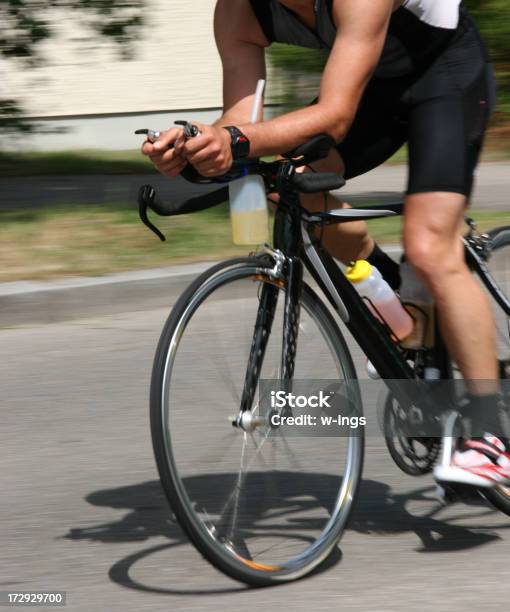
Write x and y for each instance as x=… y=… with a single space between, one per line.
x=240 y=143
x=243 y=146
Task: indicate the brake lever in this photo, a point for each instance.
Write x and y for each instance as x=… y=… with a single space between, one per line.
x=146 y=196
x=152 y=135
x=190 y=131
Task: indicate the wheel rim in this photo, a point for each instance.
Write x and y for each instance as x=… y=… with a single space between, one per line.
x=262 y=516
x=499 y=268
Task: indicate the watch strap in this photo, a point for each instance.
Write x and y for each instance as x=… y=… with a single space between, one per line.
x=240 y=144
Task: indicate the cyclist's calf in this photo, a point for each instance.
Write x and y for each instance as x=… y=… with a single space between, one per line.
x=433 y=246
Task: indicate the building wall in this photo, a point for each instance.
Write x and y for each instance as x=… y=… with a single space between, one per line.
x=85 y=96
x=175 y=66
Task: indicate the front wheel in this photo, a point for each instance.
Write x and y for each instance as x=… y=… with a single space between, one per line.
x=264 y=508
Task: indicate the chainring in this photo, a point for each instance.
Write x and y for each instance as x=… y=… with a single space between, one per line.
x=415 y=456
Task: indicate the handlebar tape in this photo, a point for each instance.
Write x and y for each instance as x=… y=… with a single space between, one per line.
x=168 y=209
x=315 y=183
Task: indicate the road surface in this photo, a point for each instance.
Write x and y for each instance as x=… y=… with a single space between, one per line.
x=381 y=185
x=82 y=509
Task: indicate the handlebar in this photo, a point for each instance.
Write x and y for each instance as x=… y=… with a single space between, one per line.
x=278 y=176
x=275 y=175
x=315 y=183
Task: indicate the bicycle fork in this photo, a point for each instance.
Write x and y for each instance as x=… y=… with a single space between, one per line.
x=291 y=321
x=268 y=302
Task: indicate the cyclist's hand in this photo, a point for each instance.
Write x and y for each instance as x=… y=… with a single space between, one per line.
x=210 y=151
x=166 y=154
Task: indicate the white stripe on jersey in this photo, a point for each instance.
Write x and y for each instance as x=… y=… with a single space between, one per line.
x=437 y=13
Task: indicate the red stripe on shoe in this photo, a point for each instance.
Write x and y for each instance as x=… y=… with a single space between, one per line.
x=485 y=472
x=489 y=450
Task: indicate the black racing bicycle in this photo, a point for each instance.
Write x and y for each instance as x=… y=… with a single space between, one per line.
x=263 y=507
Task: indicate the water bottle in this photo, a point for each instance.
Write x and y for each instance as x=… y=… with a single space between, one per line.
x=417 y=300
x=248 y=201
x=382 y=300
x=248 y=211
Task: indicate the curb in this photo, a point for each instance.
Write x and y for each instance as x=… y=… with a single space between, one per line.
x=29 y=302
x=32 y=302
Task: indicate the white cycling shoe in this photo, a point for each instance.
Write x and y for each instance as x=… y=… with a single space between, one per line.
x=482 y=462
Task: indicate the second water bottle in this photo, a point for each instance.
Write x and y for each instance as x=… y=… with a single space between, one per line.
x=382 y=300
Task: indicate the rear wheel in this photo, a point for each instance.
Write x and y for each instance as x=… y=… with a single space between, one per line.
x=499 y=267
x=262 y=507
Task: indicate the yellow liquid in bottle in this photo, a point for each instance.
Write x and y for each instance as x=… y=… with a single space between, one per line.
x=250 y=227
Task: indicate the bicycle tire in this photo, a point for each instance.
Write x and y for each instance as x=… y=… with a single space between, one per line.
x=499 y=497
x=218 y=553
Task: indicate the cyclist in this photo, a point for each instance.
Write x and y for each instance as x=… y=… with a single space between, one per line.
x=398 y=71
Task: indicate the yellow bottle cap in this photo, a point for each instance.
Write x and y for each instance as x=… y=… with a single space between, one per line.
x=359 y=271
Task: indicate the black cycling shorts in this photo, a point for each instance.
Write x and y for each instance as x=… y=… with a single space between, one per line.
x=442 y=113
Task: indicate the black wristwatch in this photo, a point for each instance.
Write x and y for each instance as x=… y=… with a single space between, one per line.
x=240 y=144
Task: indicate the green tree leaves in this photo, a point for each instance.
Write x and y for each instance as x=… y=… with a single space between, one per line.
x=24 y=24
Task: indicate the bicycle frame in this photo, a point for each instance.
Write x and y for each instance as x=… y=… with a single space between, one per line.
x=293 y=237
x=297 y=249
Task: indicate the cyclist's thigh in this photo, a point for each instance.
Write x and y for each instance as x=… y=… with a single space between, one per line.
x=332 y=163
x=445 y=139
x=379 y=129
x=448 y=116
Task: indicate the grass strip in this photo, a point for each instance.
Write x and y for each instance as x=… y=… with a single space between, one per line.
x=93 y=241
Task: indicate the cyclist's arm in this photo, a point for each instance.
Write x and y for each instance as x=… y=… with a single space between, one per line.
x=240 y=43
x=361 y=32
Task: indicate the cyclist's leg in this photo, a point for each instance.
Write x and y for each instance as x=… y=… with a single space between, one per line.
x=445 y=138
x=449 y=108
x=432 y=243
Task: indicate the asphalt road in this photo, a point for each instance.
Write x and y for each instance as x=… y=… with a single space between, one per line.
x=82 y=510
x=385 y=184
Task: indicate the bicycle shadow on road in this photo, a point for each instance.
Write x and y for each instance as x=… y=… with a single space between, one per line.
x=151 y=517
x=378 y=510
